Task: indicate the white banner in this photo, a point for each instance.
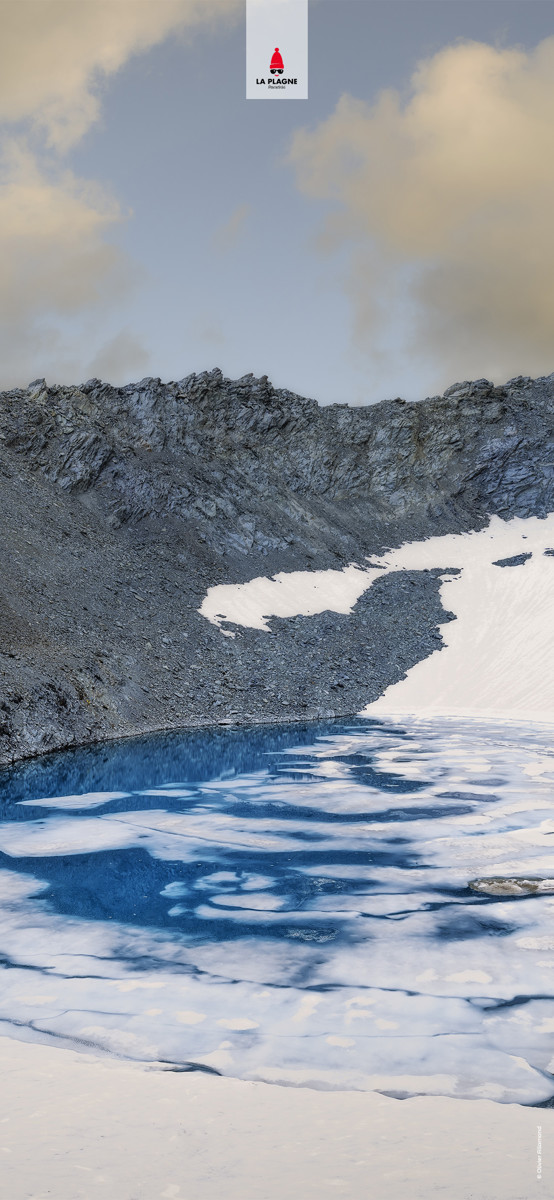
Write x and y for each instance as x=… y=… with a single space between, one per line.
x=276 y=49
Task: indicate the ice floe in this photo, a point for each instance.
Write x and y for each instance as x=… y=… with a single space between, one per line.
x=317 y=932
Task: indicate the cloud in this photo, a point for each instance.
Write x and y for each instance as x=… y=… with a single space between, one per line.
x=55 y=54
x=55 y=260
x=58 y=264
x=228 y=234
x=446 y=197
x=119 y=357
x=51 y=237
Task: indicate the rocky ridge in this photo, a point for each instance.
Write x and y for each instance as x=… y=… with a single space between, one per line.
x=121 y=506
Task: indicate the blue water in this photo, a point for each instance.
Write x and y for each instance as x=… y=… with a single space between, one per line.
x=289 y=904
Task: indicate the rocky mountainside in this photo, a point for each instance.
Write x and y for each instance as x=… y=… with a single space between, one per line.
x=121 y=506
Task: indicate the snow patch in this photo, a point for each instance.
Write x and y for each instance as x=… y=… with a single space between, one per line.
x=498 y=655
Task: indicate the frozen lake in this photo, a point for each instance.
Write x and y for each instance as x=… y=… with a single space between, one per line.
x=291 y=904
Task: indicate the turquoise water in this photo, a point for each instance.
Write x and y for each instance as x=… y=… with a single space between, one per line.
x=290 y=904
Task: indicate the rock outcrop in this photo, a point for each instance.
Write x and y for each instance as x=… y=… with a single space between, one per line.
x=121 y=506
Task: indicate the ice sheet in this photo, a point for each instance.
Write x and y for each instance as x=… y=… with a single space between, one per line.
x=318 y=932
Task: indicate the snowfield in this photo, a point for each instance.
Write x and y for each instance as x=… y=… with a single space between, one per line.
x=498 y=655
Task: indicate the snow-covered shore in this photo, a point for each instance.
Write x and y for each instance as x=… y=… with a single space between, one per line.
x=77 y=1127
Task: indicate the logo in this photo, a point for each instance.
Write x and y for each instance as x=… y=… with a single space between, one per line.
x=276 y=69
x=276 y=50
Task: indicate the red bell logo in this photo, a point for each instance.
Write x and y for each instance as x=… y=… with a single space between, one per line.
x=276 y=67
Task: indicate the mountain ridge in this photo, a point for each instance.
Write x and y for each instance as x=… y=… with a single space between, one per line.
x=122 y=506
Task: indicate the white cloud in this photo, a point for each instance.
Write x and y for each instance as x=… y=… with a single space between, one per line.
x=51 y=234
x=55 y=59
x=54 y=54
x=447 y=197
x=55 y=262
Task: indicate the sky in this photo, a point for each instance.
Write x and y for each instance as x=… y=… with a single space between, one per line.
x=387 y=237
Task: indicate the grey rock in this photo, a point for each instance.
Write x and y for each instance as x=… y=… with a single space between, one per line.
x=121 y=506
x=515 y=885
x=516 y=560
